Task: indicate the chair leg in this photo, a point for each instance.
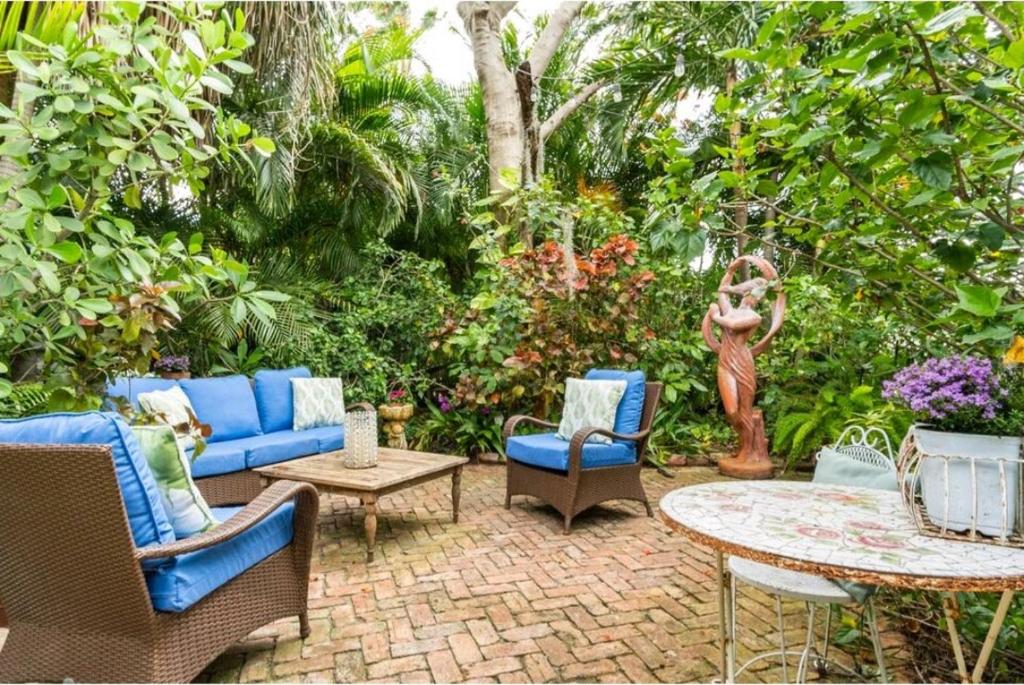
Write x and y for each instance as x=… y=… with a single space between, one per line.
x=508 y=499
x=567 y=524
x=805 y=656
x=304 y=625
x=647 y=506
x=876 y=640
x=782 y=638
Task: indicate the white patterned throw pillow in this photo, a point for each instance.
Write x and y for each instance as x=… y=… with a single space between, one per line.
x=318 y=402
x=174 y=409
x=590 y=404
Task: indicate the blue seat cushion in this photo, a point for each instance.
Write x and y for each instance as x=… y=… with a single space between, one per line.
x=146 y=517
x=551 y=452
x=176 y=586
x=131 y=388
x=273 y=390
x=330 y=438
x=219 y=458
x=226 y=403
x=631 y=406
x=271 y=448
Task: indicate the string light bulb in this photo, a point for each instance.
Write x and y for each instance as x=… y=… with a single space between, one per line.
x=680 y=68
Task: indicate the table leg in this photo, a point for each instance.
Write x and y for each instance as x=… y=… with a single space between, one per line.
x=724 y=621
x=993 y=633
x=370 y=504
x=456 y=492
x=950 y=609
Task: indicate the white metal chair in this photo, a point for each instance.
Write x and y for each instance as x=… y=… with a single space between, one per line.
x=870 y=446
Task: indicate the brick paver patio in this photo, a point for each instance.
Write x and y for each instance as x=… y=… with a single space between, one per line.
x=504 y=596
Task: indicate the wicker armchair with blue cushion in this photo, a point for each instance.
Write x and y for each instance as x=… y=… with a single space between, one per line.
x=574 y=475
x=97 y=587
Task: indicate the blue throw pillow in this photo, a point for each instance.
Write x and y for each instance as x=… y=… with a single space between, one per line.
x=226 y=403
x=146 y=517
x=274 y=400
x=631 y=406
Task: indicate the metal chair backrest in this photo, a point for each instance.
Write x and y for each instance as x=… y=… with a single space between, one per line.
x=867 y=445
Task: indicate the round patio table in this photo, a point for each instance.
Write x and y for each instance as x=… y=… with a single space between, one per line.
x=841 y=532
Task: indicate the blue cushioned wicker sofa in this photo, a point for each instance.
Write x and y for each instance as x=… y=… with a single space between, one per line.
x=251 y=422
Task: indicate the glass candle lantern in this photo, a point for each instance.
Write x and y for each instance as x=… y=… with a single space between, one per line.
x=360 y=439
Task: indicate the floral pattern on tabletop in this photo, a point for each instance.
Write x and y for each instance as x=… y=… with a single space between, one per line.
x=849 y=527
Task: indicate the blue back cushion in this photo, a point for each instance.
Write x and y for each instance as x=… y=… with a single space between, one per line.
x=273 y=392
x=226 y=403
x=631 y=406
x=131 y=388
x=149 y=523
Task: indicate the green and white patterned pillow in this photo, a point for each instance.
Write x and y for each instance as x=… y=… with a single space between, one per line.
x=172 y=406
x=318 y=402
x=590 y=404
x=182 y=501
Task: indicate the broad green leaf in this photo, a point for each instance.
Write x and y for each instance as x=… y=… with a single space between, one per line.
x=67 y=251
x=265 y=146
x=980 y=300
x=934 y=170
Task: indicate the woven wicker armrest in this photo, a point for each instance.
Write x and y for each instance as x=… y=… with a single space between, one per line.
x=265 y=503
x=579 y=438
x=514 y=421
x=365 y=406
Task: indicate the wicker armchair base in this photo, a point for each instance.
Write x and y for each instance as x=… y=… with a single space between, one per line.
x=593 y=487
x=179 y=647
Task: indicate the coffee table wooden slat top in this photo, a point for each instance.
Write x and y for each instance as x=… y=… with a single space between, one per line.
x=396 y=469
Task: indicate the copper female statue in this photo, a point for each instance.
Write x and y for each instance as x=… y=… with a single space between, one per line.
x=737 y=378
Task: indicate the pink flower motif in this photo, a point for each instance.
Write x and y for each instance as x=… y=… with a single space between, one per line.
x=786 y=495
x=817 y=532
x=838 y=496
x=868 y=525
x=878 y=541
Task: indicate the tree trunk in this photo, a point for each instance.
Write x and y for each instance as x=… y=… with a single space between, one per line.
x=739 y=197
x=515 y=136
x=500 y=99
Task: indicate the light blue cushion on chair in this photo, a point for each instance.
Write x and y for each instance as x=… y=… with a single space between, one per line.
x=631 y=406
x=226 y=403
x=131 y=388
x=551 y=452
x=330 y=438
x=219 y=458
x=273 y=390
x=176 y=587
x=146 y=517
x=271 y=448
x=836 y=468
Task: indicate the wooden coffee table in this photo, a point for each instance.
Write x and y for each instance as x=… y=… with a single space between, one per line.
x=395 y=470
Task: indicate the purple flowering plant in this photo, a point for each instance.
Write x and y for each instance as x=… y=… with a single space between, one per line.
x=170 y=363
x=958 y=394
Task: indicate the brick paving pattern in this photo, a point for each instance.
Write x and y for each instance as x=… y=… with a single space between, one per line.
x=503 y=596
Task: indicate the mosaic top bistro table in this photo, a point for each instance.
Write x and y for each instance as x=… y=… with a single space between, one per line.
x=845 y=533
x=395 y=470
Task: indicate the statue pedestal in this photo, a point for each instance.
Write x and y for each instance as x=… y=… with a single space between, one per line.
x=746 y=468
x=753 y=464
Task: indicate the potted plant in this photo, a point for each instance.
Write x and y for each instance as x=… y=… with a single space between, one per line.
x=970 y=415
x=173 y=366
x=395 y=413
